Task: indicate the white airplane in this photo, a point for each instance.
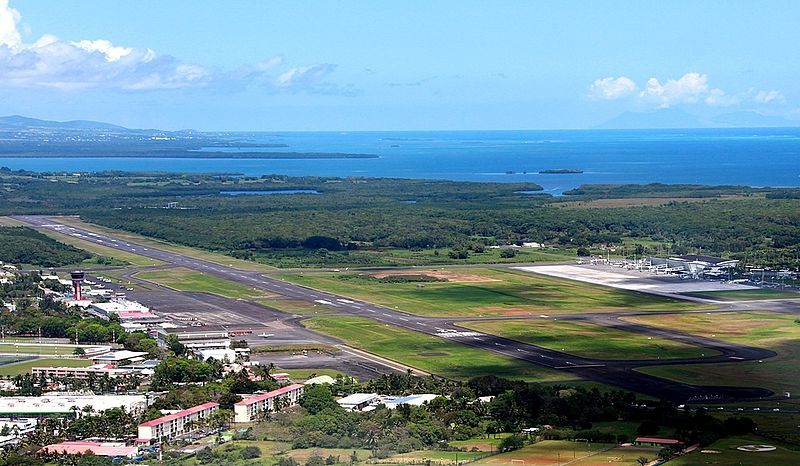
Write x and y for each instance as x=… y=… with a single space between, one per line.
x=266 y=335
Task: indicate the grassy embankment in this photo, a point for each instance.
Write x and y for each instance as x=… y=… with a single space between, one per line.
x=428 y=353
x=588 y=340
x=778 y=332
x=478 y=292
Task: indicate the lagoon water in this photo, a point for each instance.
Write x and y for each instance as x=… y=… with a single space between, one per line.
x=754 y=157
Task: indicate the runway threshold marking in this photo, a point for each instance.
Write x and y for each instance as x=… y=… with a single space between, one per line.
x=578 y=366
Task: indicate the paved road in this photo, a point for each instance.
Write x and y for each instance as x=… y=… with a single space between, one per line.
x=611 y=372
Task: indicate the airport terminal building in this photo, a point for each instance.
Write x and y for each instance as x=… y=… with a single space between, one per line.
x=694 y=265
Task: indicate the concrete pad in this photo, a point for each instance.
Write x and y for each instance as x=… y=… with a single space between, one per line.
x=634 y=280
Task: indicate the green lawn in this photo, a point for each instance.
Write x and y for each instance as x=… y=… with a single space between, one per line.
x=730 y=456
x=209 y=256
x=741 y=295
x=34 y=348
x=588 y=340
x=761 y=328
x=428 y=353
x=480 y=291
x=778 y=332
x=25 y=366
x=183 y=279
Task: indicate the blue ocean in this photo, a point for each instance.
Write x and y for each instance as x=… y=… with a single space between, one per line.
x=754 y=157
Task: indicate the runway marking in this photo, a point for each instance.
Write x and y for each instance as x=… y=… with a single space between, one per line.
x=578 y=366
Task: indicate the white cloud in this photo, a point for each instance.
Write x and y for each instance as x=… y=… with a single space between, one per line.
x=611 y=88
x=766 y=97
x=718 y=97
x=689 y=88
x=9 y=34
x=51 y=62
x=105 y=47
x=54 y=63
x=269 y=63
x=304 y=76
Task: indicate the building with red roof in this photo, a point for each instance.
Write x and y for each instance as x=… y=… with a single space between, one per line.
x=656 y=442
x=80 y=447
x=248 y=409
x=175 y=424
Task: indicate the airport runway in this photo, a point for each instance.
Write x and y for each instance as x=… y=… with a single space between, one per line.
x=612 y=372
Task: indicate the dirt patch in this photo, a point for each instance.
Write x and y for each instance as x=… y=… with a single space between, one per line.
x=433 y=354
x=448 y=275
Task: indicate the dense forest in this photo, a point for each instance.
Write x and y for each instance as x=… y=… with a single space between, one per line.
x=338 y=219
x=21 y=245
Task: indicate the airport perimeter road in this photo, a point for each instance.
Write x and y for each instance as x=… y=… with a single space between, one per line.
x=616 y=373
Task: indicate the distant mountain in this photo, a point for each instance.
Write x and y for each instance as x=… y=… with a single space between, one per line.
x=750 y=119
x=677 y=118
x=662 y=118
x=21 y=122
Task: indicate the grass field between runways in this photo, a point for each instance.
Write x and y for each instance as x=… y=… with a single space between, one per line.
x=777 y=332
x=729 y=455
x=427 y=353
x=476 y=292
x=588 y=340
x=183 y=279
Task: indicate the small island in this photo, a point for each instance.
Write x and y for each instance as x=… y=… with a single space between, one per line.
x=560 y=171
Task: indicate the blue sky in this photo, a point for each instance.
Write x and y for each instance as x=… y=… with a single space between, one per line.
x=380 y=65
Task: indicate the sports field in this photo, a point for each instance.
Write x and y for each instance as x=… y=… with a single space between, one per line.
x=553 y=452
x=183 y=279
x=42 y=349
x=435 y=457
x=588 y=340
x=729 y=456
x=209 y=256
x=479 y=291
x=427 y=353
x=777 y=332
x=25 y=366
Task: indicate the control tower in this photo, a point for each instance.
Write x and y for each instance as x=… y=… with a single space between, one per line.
x=77 y=280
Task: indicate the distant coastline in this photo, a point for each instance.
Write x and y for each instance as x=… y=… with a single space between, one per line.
x=189 y=155
x=560 y=171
